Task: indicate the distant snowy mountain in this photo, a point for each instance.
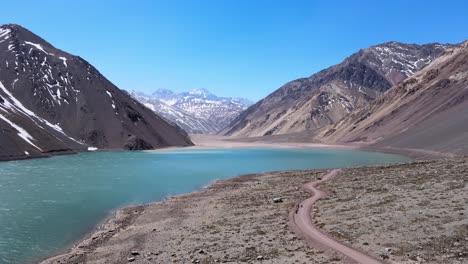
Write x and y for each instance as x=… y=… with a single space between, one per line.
x=183 y=119
x=197 y=111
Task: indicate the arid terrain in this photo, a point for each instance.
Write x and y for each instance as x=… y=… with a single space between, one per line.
x=282 y=141
x=410 y=213
x=427 y=111
x=324 y=98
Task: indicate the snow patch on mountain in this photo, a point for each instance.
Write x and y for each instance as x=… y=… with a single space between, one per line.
x=197 y=111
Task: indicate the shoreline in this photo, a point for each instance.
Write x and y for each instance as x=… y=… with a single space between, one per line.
x=119 y=219
x=223 y=142
x=41 y=156
x=115 y=221
x=124 y=217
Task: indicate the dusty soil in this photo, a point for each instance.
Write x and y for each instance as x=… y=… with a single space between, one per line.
x=412 y=213
x=281 y=141
x=304 y=140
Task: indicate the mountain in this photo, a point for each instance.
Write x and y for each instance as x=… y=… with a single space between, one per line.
x=54 y=102
x=427 y=111
x=185 y=120
x=197 y=111
x=324 y=98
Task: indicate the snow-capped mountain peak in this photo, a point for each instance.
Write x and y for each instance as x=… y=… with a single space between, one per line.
x=162 y=93
x=198 y=111
x=201 y=91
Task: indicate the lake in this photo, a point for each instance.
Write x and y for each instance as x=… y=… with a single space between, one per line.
x=46 y=205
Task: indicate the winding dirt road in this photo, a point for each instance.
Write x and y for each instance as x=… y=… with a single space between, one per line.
x=301 y=222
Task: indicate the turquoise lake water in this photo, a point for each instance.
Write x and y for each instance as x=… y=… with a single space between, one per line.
x=46 y=205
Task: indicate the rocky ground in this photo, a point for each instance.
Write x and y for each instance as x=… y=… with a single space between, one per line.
x=412 y=213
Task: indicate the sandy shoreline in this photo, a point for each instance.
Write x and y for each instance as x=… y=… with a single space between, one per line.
x=127 y=231
x=223 y=142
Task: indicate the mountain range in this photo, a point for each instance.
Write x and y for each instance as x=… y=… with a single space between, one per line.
x=389 y=96
x=427 y=111
x=197 y=112
x=308 y=104
x=53 y=102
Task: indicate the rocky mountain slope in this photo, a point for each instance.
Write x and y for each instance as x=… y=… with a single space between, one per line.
x=197 y=111
x=324 y=98
x=54 y=102
x=427 y=111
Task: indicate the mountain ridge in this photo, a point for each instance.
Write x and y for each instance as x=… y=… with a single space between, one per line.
x=308 y=104
x=197 y=111
x=431 y=104
x=54 y=102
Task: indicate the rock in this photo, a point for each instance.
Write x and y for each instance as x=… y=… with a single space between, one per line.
x=456 y=244
x=201 y=251
x=277 y=200
x=130 y=259
x=137 y=143
x=259 y=257
x=383 y=256
x=135 y=253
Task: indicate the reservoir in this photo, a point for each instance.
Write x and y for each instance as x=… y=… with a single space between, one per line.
x=47 y=205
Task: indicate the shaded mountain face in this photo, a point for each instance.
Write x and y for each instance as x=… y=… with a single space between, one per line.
x=51 y=101
x=428 y=111
x=324 y=98
x=197 y=111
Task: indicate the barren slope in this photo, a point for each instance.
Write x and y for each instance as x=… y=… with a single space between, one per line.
x=326 y=97
x=52 y=101
x=427 y=111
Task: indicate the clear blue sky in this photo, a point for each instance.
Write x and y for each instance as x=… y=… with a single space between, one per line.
x=231 y=47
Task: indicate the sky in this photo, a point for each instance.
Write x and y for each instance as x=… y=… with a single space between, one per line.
x=241 y=48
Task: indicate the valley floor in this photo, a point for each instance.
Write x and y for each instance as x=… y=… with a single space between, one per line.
x=215 y=141
x=304 y=140
x=409 y=213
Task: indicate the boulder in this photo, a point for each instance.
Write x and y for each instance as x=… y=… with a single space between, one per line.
x=137 y=143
